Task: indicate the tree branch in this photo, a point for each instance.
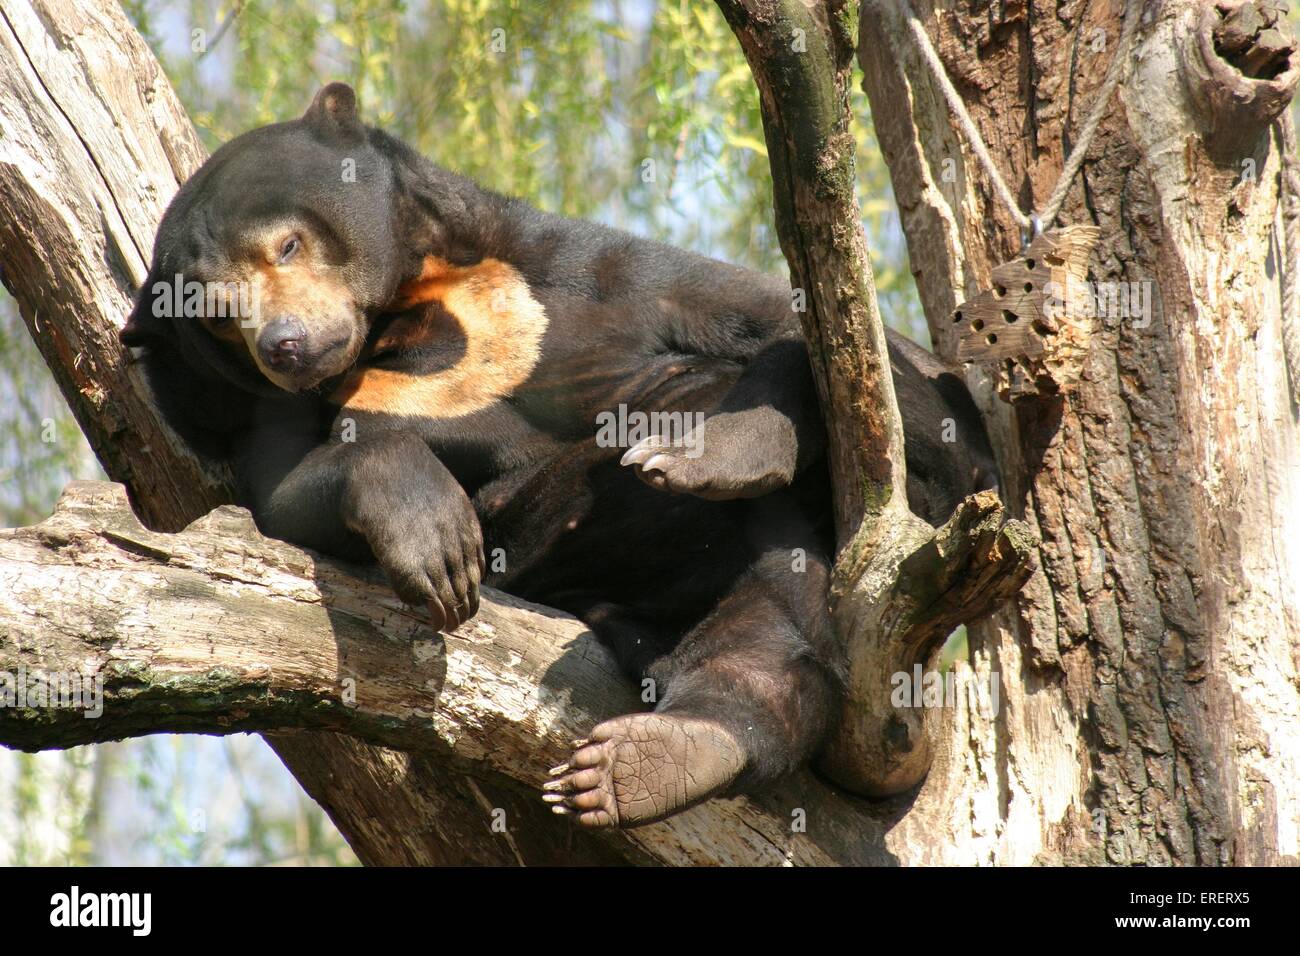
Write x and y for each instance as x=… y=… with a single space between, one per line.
x=801 y=57
x=915 y=590
x=219 y=630
x=94 y=145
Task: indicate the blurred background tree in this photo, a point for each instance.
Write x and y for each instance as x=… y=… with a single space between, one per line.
x=636 y=113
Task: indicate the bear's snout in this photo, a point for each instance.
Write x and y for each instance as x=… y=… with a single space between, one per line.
x=282 y=343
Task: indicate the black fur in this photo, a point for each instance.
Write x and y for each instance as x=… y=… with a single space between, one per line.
x=722 y=602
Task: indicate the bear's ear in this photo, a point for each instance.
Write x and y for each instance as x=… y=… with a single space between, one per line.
x=333 y=114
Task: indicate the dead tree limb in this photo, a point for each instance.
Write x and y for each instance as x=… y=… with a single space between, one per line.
x=219 y=630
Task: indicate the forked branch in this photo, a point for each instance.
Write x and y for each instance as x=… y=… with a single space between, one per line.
x=899 y=587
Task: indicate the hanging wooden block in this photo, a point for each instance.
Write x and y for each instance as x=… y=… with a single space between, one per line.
x=1033 y=328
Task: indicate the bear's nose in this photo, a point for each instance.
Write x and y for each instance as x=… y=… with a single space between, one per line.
x=281 y=343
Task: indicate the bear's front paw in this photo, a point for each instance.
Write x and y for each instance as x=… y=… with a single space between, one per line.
x=431 y=549
x=731 y=455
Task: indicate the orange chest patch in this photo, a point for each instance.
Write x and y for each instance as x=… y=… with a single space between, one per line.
x=494 y=319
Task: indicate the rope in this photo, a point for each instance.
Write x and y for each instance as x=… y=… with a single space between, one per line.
x=1034 y=224
x=958 y=109
x=1114 y=73
x=1290 y=201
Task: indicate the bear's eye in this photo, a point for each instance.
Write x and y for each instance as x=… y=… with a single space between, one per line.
x=288 y=249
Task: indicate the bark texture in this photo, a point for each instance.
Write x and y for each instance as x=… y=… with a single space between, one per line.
x=1151 y=692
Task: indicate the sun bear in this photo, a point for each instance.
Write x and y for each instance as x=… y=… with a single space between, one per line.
x=401 y=366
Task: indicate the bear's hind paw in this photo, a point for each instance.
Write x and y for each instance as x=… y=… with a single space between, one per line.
x=641 y=768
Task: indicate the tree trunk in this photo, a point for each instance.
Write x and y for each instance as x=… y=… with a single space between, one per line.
x=1149 y=668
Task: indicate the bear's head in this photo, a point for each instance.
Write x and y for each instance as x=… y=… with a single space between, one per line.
x=273 y=259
